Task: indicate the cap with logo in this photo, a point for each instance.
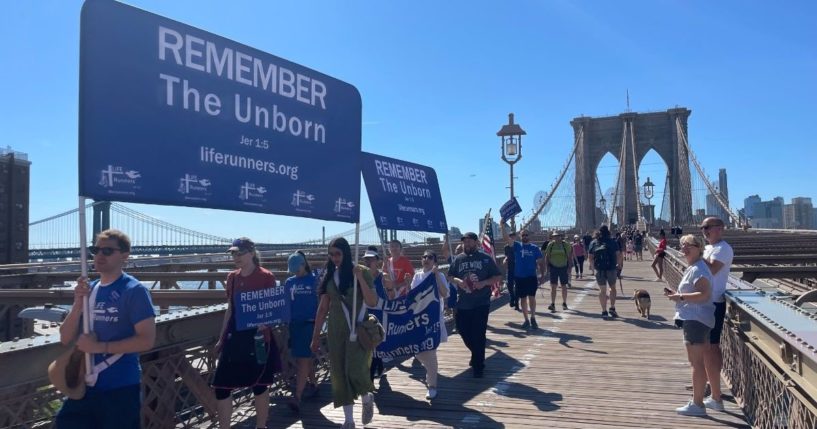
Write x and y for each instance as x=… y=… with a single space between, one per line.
x=242 y=244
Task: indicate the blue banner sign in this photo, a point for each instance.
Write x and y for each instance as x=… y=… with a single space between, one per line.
x=171 y=114
x=404 y=195
x=268 y=306
x=510 y=209
x=413 y=324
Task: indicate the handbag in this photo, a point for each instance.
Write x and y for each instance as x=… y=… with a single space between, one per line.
x=370 y=332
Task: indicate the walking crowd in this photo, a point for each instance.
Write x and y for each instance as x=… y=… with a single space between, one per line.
x=338 y=297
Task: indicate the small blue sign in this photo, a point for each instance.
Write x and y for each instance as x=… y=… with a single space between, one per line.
x=413 y=324
x=171 y=114
x=510 y=209
x=268 y=306
x=403 y=195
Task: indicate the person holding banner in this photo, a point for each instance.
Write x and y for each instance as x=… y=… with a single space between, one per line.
x=122 y=327
x=344 y=290
x=247 y=354
x=429 y=357
x=473 y=272
x=399 y=268
x=385 y=291
x=303 y=291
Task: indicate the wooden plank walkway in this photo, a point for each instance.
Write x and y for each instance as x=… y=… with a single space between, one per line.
x=576 y=371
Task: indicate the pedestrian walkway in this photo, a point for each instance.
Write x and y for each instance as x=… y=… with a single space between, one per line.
x=577 y=371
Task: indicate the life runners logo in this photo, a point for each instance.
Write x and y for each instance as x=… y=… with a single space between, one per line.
x=343 y=208
x=252 y=194
x=194 y=187
x=302 y=201
x=115 y=175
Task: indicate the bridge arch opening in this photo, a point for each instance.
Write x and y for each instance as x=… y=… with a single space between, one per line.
x=607 y=176
x=654 y=167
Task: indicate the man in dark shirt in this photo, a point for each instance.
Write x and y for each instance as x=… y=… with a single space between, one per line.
x=473 y=273
x=509 y=267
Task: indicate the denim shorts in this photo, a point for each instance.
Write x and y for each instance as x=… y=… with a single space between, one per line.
x=695 y=332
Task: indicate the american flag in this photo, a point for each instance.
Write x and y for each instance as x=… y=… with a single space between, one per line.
x=488 y=245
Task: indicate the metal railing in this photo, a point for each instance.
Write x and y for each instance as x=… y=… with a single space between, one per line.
x=770 y=370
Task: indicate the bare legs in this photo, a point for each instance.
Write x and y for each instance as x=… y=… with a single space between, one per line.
x=713 y=360
x=696 y=353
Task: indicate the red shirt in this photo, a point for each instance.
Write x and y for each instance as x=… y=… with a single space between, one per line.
x=402 y=269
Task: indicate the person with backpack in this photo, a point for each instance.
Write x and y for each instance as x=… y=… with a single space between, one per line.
x=605 y=257
x=559 y=260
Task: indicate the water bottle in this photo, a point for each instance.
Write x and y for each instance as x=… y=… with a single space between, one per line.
x=260 y=348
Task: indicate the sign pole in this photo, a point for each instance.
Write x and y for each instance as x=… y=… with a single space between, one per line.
x=353 y=316
x=83 y=263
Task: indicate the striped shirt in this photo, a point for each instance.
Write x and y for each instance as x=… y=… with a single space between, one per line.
x=703 y=312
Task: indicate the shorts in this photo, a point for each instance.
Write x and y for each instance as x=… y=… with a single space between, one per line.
x=606 y=277
x=695 y=332
x=720 y=315
x=559 y=274
x=525 y=286
x=300 y=338
x=116 y=408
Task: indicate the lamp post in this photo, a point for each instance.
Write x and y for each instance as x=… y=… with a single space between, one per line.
x=602 y=205
x=649 y=191
x=511 y=148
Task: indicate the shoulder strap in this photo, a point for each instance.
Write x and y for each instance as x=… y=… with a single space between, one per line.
x=90 y=379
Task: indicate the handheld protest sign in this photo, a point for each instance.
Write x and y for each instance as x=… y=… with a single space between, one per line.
x=404 y=195
x=171 y=114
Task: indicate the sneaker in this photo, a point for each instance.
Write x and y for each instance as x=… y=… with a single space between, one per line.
x=690 y=409
x=525 y=325
x=604 y=314
x=552 y=308
x=613 y=312
x=478 y=372
x=367 y=414
x=564 y=306
x=348 y=425
x=294 y=406
x=533 y=323
x=432 y=393
x=713 y=404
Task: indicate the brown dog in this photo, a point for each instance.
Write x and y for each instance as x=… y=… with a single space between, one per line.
x=642 y=302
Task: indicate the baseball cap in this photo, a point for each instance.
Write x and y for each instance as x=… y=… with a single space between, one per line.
x=470 y=235
x=241 y=244
x=295 y=262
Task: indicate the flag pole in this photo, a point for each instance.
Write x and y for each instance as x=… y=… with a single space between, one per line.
x=83 y=263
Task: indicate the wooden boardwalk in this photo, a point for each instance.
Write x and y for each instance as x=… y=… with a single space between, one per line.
x=576 y=371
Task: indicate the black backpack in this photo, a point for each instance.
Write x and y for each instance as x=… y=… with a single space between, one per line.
x=601 y=256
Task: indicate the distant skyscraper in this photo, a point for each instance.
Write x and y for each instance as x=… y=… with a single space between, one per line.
x=723 y=186
x=749 y=204
x=802 y=212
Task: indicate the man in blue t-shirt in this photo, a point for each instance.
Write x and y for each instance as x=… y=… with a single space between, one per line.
x=123 y=326
x=526 y=257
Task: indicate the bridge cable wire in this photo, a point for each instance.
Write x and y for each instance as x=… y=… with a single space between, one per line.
x=547 y=199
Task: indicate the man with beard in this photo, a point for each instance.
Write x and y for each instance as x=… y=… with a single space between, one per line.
x=473 y=273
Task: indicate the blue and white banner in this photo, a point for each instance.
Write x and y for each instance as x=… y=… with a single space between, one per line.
x=171 y=114
x=413 y=323
x=267 y=306
x=403 y=195
x=510 y=209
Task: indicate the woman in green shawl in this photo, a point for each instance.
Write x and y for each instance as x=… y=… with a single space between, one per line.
x=348 y=360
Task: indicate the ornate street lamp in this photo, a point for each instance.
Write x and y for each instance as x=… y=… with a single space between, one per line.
x=511 y=147
x=603 y=206
x=649 y=192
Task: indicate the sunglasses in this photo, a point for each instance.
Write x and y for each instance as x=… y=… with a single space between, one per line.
x=688 y=245
x=107 y=251
x=239 y=252
x=428 y=257
x=706 y=227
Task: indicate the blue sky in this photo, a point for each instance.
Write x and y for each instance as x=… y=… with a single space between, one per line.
x=439 y=78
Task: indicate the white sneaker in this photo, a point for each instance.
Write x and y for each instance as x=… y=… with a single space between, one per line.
x=713 y=404
x=432 y=393
x=367 y=414
x=690 y=409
